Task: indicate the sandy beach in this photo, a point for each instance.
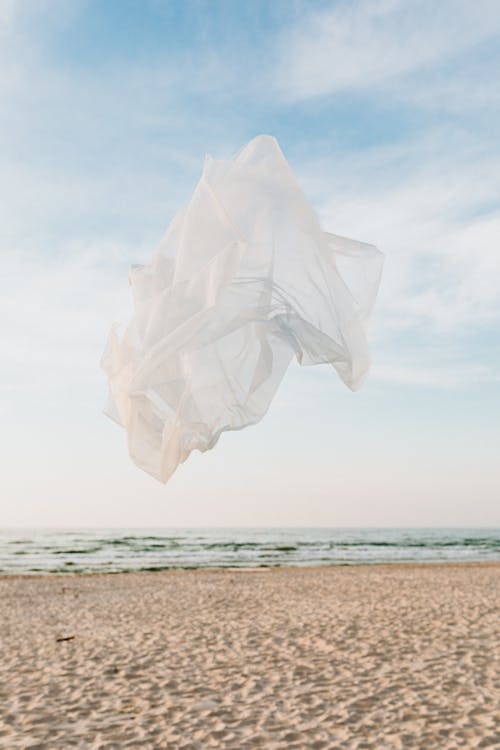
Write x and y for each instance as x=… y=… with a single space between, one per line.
x=358 y=657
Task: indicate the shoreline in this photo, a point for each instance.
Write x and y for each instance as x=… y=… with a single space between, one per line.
x=255 y=569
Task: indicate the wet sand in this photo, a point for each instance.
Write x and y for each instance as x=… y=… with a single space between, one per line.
x=360 y=657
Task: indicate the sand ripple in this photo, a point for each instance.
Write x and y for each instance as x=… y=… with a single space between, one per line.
x=346 y=658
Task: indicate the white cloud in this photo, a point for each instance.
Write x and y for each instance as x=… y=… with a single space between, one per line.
x=361 y=45
x=435 y=211
x=54 y=314
x=7 y=13
x=415 y=373
x=432 y=205
x=114 y=150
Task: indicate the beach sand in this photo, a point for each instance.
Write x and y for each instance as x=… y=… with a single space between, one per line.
x=381 y=656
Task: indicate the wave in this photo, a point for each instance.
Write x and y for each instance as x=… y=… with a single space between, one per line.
x=89 y=551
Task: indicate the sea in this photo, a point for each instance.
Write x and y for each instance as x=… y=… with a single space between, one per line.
x=55 y=551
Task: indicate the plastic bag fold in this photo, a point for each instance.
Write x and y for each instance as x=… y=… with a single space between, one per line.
x=244 y=279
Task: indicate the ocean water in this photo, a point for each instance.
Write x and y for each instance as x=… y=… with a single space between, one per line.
x=111 y=550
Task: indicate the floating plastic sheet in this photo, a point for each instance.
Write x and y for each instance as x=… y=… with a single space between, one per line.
x=244 y=279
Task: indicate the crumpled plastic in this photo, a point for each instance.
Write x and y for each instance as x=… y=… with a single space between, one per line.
x=244 y=279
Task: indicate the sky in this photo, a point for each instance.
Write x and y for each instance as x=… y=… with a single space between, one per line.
x=389 y=114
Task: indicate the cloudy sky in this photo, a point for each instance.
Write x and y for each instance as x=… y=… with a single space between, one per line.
x=389 y=113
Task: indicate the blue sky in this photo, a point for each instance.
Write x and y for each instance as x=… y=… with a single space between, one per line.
x=389 y=113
